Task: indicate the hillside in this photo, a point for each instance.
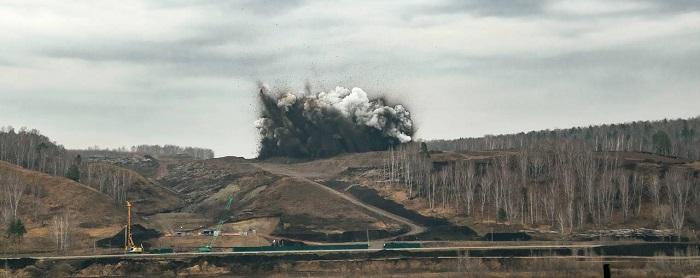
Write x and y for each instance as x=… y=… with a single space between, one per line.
x=555 y=188
x=543 y=189
x=552 y=187
x=303 y=208
x=90 y=214
x=123 y=184
x=464 y=189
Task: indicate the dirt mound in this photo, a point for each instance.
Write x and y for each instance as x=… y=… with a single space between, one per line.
x=437 y=228
x=139 y=233
x=324 y=168
x=197 y=180
x=304 y=208
x=301 y=206
x=146 y=165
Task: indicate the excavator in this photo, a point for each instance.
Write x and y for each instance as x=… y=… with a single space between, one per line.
x=207 y=248
x=129 y=245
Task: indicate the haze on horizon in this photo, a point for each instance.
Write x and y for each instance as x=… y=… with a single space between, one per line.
x=185 y=72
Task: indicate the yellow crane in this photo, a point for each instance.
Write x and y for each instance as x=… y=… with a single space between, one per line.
x=129 y=245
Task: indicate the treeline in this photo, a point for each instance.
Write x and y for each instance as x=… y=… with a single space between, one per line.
x=563 y=183
x=32 y=150
x=197 y=153
x=680 y=138
x=153 y=150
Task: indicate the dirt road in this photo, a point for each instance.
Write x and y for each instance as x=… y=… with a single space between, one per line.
x=414 y=228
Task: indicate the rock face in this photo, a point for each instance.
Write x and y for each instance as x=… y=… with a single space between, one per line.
x=638 y=233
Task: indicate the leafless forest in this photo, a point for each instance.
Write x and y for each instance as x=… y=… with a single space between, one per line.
x=113 y=181
x=154 y=150
x=32 y=150
x=680 y=138
x=569 y=179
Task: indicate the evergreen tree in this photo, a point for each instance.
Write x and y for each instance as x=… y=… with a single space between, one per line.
x=73 y=173
x=16 y=229
x=662 y=143
x=502 y=216
x=424 y=149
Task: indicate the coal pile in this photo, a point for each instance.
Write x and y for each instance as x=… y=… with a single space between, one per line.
x=139 y=234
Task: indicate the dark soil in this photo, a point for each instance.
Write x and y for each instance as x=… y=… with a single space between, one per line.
x=505 y=236
x=438 y=228
x=348 y=236
x=139 y=234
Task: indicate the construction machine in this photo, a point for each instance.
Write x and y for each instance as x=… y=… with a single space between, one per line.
x=129 y=245
x=207 y=248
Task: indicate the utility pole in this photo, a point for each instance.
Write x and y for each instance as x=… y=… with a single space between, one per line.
x=367 y=238
x=126 y=242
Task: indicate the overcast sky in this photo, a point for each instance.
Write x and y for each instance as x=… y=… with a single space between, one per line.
x=120 y=73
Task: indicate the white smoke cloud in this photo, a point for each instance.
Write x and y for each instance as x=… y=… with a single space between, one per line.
x=373 y=113
x=287 y=100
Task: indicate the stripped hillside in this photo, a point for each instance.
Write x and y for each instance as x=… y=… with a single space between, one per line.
x=305 y=210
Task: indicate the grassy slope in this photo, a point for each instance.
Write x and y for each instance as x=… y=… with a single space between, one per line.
x=91 y=214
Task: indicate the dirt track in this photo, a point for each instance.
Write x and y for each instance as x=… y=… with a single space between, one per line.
x=414 y=228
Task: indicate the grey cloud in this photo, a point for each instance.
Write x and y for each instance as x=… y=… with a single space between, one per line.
x=260 y=7
x=525 y=8
x=182 y=57
x=675 y=6
x=620 y=72
x=506 y=8
x=618 y=60
x=7 y=63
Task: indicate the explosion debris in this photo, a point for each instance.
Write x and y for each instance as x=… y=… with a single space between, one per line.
x=323 y=124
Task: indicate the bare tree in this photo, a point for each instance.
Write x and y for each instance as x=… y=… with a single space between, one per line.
x=11 y=189
x=470 y=184
x=108 y=179
x=61 y=232
x=678 y=189
x=625 y=194
x=36 y=193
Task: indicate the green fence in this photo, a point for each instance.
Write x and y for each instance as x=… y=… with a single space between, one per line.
x=301 y=248
x=399 y=245
x=160 y=251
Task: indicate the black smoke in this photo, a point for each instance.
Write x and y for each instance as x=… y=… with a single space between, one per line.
x=315 y=125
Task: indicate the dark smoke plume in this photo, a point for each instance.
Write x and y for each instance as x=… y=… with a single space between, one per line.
x=324 y=124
